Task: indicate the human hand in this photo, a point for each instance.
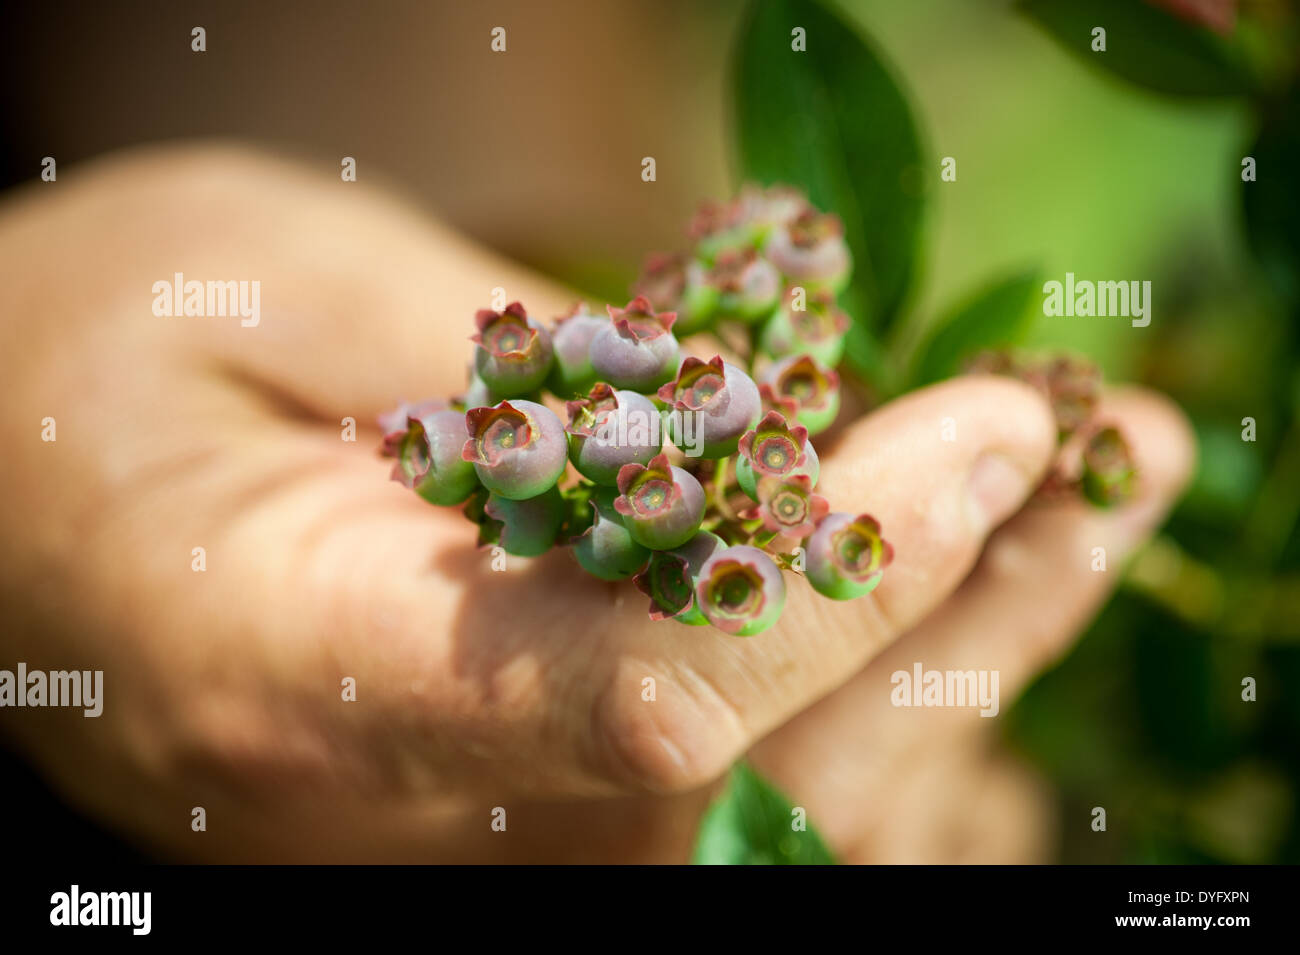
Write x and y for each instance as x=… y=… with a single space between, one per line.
x=475 y=689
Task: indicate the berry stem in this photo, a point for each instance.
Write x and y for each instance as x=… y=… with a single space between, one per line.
x=720 y=477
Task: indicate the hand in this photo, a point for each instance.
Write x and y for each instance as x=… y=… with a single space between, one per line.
x=475 y=689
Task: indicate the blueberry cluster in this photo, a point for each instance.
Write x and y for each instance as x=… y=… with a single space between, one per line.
x=1106 y=475
x=695 y=478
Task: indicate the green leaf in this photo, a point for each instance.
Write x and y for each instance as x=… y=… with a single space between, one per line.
x=832 y=121
x=998 y=315
x=1147 y=45
x=752 y=824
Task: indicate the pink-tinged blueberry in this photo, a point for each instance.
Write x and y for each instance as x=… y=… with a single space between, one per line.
x=669 y=579
x=572 y=374
x=661 y=505
x=427 y=448
x=636 y=349
x=816 y=329
x=518 y=448
x=679 y=283
x=1109 y=474
x=608 y=429
x=775 y=449
x=810 y=251
x=749 y=286
x=763 y=209
x=717 y=227
x=802 y=389
x=606 y=549
x=1072 y=385
x=711 y=405
x=846 y=556
x=740 y=590
x=514 y=352
x=523 y=528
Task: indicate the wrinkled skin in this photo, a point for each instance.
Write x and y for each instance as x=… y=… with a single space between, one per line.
x=475 y=689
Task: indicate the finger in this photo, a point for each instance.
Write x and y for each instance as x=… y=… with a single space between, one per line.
x=596 y=687
x=364 y=299
x=1033 y=589
x=961 y=803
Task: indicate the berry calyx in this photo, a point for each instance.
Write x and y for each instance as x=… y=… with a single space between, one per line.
x=788 y=507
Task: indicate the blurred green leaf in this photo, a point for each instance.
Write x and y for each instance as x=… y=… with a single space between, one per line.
x=1147 y=45
x=999 y=314
x=751 y=824
x=1269 y=203
x=833 y=121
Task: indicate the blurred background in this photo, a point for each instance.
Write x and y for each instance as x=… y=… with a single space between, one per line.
x=1066 y=162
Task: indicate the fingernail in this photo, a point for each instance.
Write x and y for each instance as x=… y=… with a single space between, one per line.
x=996 y=489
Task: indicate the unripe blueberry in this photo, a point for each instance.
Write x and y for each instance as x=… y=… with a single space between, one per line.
x=1109 y=474
x=774 y=449
x=846 y=556
x=680 y=284
x=606 y=549
x=762 y=209
x=661 y=505
x=816 y=329
x=749 y=287
x=427 y=451
x=1072 y=385
x=669 y=579
x=636 y=349
x=523 y=528
x=514 y=352
x=394 y=424
x=477 y=393
x=609 y=429
x=740 y=590
x=571 y=336
x=517 y=448
x=803 y=390
x=811 y=251
x=717 y=228
x=712 y=404
x=788 y=507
